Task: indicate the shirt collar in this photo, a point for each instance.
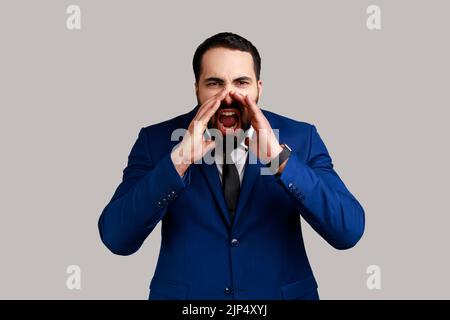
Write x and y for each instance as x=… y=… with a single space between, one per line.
x=238 y=155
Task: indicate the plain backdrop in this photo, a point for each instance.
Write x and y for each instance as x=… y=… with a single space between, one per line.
x=72 y=104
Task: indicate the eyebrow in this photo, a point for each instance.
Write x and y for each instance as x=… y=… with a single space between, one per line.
x=216 y=79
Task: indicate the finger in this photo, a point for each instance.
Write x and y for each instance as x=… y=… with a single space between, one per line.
x=220 y=95
x=209 y=145
x=252 y=111
x=258 y=117
x=241 y=98
x=204 y=107
x=209 y=112
x=255 y=109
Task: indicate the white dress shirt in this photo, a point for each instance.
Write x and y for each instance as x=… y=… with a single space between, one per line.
x=238 y=156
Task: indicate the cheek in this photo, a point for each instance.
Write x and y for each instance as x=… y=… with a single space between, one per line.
x=252 y=92
x=202 y=98
x=205 y=94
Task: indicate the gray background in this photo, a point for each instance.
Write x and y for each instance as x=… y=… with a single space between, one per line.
x=72 y=104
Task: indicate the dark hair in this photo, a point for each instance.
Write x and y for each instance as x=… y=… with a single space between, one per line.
x=230 y=41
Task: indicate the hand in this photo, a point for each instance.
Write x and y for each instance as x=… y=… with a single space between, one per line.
x=194 y=145
x=263 y=143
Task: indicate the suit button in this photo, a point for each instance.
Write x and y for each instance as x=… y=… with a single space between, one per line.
x=235 y=242
x=228 y=290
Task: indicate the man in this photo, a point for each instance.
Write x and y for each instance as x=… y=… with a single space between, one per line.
x=230 y=230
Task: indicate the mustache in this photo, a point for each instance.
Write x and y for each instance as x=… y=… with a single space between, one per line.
x=234 y=104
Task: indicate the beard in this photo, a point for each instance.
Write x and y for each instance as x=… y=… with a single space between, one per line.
x=224 y=124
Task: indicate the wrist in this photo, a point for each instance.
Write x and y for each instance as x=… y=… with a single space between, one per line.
x=181 y=164
x=277 y=163
x=277 y=150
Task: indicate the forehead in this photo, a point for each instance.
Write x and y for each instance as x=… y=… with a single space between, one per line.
x=223 y=62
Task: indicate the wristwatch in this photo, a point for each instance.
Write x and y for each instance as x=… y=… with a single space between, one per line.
x=278 y=160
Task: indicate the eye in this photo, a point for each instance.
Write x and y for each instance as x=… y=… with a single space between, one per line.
x=211 y=84
x=243 y=83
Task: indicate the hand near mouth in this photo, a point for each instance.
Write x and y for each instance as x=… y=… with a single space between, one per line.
x=194 y=145
x=263 y=143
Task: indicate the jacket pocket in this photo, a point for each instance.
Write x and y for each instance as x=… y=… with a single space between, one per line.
x=302 y=289
x=161 y=289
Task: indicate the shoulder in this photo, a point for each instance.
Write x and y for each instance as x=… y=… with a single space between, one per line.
x=301 y=136
x=289 y=125
x=167 y=127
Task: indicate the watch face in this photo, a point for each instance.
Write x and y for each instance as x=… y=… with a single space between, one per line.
x=284 y=154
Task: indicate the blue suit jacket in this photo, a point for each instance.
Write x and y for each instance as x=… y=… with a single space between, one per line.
x=202 y=256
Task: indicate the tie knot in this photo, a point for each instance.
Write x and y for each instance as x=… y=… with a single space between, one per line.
x=228 y=148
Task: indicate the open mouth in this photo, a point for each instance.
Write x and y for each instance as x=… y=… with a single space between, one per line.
x=228 y=119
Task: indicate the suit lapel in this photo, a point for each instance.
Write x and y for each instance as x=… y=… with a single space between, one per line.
x=211 y=174
x=212 y=177
x=251 y=173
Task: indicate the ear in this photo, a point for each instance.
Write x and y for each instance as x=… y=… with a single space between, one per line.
x=259 y=89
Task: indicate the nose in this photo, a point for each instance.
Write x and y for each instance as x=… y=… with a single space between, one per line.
x=228 y=99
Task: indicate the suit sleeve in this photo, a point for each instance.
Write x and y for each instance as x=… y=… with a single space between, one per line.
x=322 y=198
x=141 y=199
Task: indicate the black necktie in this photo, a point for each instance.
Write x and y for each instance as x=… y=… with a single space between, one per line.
x=231 y=183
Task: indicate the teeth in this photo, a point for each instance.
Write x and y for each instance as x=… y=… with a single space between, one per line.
x=228 y=113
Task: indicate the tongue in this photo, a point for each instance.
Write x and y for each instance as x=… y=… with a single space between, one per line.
x=228 y=121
